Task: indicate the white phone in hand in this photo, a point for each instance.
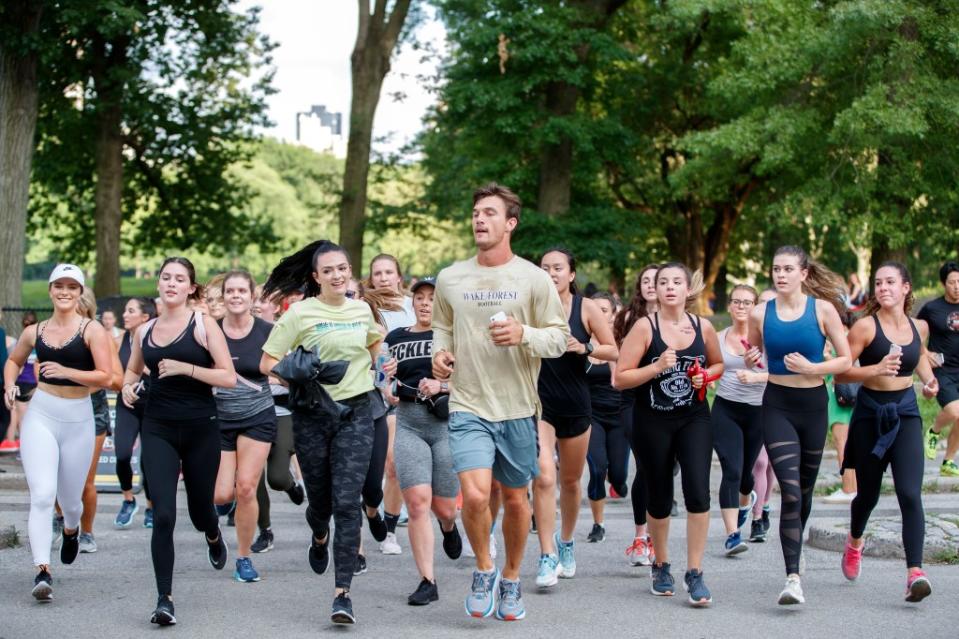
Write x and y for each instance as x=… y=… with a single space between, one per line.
x=499 y=317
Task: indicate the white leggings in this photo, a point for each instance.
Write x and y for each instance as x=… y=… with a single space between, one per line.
x=56 y=445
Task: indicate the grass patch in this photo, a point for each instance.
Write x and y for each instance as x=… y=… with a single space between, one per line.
x=950 y=557
x=35 y=293
x=9 y=537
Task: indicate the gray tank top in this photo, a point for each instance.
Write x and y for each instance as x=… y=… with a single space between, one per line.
x=730 y=388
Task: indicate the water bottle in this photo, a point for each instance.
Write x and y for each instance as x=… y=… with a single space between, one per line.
x=381 y=358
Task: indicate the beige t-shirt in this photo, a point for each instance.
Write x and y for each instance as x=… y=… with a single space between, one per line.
x=497 y=383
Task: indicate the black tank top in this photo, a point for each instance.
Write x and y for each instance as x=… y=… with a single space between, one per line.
x=74 y=354
x=563 y=389
x=179 y=397
x=671 y=391
x=878 y=348
x=604 y=399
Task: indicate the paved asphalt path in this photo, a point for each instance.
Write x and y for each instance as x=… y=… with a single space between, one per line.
x=111 y=593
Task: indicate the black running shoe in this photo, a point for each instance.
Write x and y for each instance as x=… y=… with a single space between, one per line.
x=343 y=609
x=297 y=494
x=264 y=542
x=216 y=551
x=377 y=526
x=452 y=542
x=766 y=523
x=757 y=533
x=69 y=546
x=360 y=566
x=163 y=615
x=319 y=555
x=425 y=593
x=223 y=510
x=43 y=586
x=597 y=534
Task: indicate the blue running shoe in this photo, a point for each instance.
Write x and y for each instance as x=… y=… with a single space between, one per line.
x=735 y=545
x=224 y=510
x=567 y=560
x=744 y=510
x=662 y=581
x=547 y=575
x=124 y=518
x=482 y=597
x=699 y=594
x=148 y=518
x=510 y=601
x=245 y=572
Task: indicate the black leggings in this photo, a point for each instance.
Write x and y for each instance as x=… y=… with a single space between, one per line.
x=168 y=446
x=661 y=439
x=335 y=458
x=906 y=457
x=125 y=432
x=373 y=486
x=794 y=430
x=737 y=438
x=277 y=468
x=608 y=454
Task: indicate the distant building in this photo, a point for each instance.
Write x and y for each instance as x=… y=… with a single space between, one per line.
x=321 y=130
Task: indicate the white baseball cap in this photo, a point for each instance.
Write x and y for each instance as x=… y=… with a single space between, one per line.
x=67 y=271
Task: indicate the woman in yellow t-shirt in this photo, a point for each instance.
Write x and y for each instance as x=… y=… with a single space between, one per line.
x=334 y=455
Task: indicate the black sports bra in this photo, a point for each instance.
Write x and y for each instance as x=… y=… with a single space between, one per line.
x=74 y=354
x=879 y=347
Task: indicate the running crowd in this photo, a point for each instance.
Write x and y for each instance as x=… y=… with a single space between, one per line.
x=493 y=385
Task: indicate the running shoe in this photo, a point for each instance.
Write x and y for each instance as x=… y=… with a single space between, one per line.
x=931 y=442
x=492 y=546
x=361 y=566
x=163 y=615
x=757 y=532
x=377 y=526
x=9 y=446
x=43 y=586
x=510 y=606
x=319 y=555
x=662 y=584
x=482 y=598
x=547 y=575
x=425 y=593
x=296 y=493
x=343 y=609
x=744 y=510
x=404 y=518
x=792 y=593
x=532 y=524
x=452 y=542
x=567 y=560
x=390 y=546
x=735 y=545
x=852 y=560
x=613 y=493
x=87 y=543
x=245 y=572
x=69 y=546
x=638 y=554
x=765 y=519
x=699 y=594
x=949 y=469
x=839 y=496
x=467 y=547
x=917 y=587
x=148 y=518
x=223 y=510
x=597 y=534
x=264 y=542
x=216 y=551
x=124 y=518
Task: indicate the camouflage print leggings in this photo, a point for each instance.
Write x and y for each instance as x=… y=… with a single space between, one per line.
x=334 y=458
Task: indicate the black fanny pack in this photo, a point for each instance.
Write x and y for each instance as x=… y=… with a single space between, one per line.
x=438 y=406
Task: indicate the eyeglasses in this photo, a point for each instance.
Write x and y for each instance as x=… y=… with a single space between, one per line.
x=743 y=303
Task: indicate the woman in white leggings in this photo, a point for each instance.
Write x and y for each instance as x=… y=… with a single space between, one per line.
x=57 y=434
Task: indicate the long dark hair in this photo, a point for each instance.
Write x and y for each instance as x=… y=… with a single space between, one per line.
x=147 y=306
x=197 y=293
x=295 y=272
x=872 y=305
x=570 y=259
x=634 y=310
x=820 y=281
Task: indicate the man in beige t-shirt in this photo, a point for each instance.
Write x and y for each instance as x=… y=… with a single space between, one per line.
x=494 y=317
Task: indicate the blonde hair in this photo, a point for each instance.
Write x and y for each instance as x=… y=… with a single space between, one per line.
x=382 y=300
x=87 y=305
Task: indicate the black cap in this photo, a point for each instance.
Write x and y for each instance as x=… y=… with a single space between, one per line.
x=431 y=281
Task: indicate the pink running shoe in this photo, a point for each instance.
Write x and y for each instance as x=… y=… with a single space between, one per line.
x=852 y=560
x=918 y=587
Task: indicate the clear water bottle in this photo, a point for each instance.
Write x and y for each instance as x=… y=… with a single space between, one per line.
x=381 y=358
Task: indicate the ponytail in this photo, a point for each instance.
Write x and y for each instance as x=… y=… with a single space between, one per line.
x=294 y=273
x=636 y=309
x=820 y=282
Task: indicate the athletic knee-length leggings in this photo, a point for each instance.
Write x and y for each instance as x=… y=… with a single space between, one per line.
x=737 y=438
x=794 y=431
x=608 y=456
x=125 y=433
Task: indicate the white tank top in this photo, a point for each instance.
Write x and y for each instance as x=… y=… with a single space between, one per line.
x=730 y=388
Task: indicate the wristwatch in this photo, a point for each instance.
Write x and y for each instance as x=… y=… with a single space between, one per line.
x=589 y=348
x=444 y=387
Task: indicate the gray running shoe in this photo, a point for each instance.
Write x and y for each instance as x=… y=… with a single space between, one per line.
x=482 y=597
x=510 y=601
x=87 y=543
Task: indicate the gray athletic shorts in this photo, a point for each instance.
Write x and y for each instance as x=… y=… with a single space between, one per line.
x=421 y=451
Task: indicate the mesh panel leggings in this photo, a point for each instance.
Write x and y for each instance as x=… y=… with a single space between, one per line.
x=608 y=455
x=794 y=430
x=737 y=438
x=906 y=458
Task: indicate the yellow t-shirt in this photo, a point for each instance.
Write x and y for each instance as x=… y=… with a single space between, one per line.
x=497 y=383
x=334 y=333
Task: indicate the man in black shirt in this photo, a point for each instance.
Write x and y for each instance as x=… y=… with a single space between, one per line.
x=942 y=315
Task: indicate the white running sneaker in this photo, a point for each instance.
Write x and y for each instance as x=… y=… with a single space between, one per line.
x=640 y=552
x=467 y=547
x=839 y=496
x=492 y=546
x=390 y=546
x=792 y=593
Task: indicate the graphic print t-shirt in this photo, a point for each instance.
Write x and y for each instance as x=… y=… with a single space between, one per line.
x=497 y=383
x=413 y=353
x=943 y=320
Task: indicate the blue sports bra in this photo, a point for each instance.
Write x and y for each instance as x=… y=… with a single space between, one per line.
x=801 y=335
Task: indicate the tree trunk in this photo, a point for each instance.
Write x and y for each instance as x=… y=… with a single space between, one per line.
x=376 y=37
x=18 y=120
x=881 y=252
